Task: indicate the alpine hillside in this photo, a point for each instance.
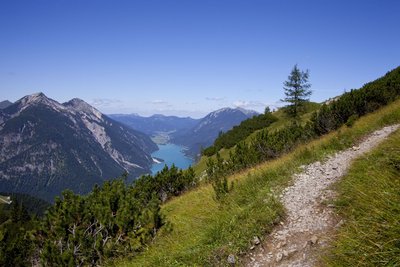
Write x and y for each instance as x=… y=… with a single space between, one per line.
x=46 y=147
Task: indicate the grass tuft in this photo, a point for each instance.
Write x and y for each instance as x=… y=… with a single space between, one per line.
x=369 y=201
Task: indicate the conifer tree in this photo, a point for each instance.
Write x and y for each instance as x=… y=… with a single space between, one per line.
x=297 y=91
x=217 y=174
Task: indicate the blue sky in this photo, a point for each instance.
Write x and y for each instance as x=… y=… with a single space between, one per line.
x=191 y=57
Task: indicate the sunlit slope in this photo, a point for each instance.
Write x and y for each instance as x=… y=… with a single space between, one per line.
x=369 y=202
x=205 y=232
x=283 y=120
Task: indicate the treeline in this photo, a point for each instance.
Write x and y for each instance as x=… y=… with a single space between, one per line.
x=267 y=145
x=114 y=219
x=357 y=103
x=240 y=132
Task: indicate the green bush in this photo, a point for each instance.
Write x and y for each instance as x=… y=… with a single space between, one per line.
x=217 y=174
x=112 y=220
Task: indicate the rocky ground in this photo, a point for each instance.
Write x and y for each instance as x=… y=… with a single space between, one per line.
x=310 y=219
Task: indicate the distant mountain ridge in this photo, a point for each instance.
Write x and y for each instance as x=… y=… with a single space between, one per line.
x=191 y=133
x=4 y=104
x=47 y=147
x=207 y=129
x=155 y=123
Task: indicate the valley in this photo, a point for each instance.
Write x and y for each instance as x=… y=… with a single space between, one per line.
x=44 y=142
x=170 y=154
x=225 y=230
x=235 y=198
x=192 y=134
x=199 y=133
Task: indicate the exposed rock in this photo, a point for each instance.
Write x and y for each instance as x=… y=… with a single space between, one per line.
x=281 y=244
x=279 y=257
x=256 y=240
x=314 y=239
x=231 y=259
x=47 y=147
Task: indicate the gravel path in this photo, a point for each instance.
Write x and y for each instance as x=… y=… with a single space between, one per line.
x=310 y=221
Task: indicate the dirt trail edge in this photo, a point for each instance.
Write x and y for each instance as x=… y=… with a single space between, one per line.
x=310 y=221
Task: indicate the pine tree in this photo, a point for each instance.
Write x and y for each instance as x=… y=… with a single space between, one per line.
x=296 y=91
x=217 y=175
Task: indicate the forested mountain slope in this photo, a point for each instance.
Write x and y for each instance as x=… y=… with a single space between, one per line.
x=47 y=147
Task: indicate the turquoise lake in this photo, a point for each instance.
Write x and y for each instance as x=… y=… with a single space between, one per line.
x=171 y=154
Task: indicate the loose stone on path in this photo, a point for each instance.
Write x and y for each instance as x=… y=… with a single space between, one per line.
x=297 y=241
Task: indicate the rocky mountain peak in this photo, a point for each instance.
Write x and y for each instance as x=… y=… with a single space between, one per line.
x=219 y=112
x=248 y=112
x=35 y=100
x=81 y=106
x=47 y=147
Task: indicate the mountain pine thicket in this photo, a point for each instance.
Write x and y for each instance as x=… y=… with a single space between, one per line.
x=78 y=230
x=16 y=226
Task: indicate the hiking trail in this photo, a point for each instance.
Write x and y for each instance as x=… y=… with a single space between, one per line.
x=310 y=221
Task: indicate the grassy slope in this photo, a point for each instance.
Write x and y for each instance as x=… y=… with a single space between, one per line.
x=282 y=121
x=204 y=233
x=369 y=200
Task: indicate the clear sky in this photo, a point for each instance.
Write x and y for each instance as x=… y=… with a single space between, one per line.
x=190 y=57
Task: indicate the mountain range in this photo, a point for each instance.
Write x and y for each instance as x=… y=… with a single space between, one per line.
x=4 y=104
x=208 y=128
x=194 y=134
x=156 y=124
x=46 y=147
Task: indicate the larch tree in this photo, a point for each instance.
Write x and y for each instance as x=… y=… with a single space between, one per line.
x=297 y=91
